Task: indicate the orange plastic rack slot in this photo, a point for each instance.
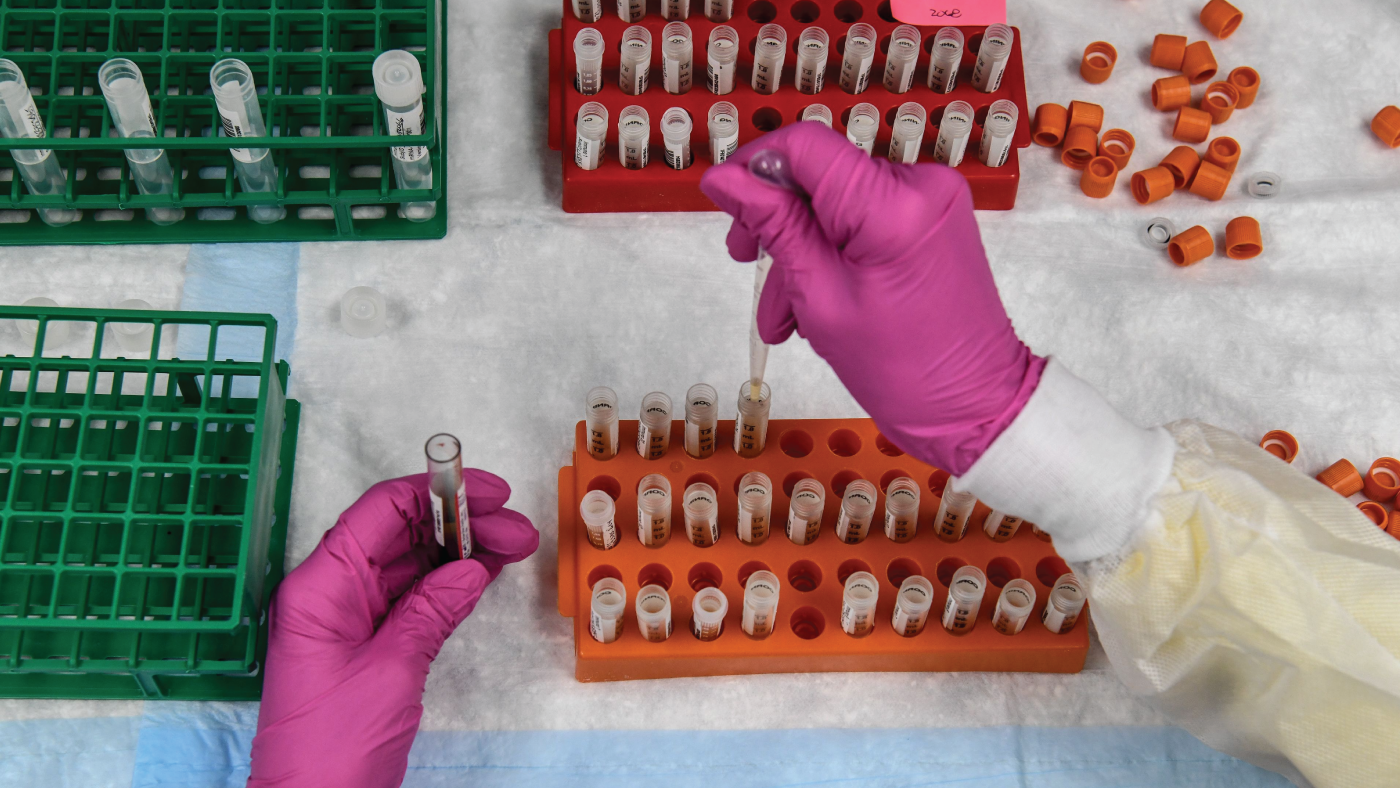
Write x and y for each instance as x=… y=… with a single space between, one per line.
x=808 y=637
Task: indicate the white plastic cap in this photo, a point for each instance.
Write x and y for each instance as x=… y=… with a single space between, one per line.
x=398 y=79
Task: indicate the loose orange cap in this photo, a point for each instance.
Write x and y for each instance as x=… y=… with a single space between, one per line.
x=1224 y=152
x=1051 y=120
x=1375 y=512
x=1199 y=64
x=1386 y=125
x=1149 y=186
x=1192 y=125
x=1243 y=240
x=1099 y=177
x=1191 y=246
x=1210 y=181
x=1280 y=444
x=1382 y=481
x=1097 y=65
x=1221 y=18
x=1169 y=93
x=1342 y=477
x=1220 y=101
x=1081 y=143
x=1083 y=113
x=1118 y=145
x=1168 y=51
x=1183 y=163
x=1246 y=81
x=1394 y=528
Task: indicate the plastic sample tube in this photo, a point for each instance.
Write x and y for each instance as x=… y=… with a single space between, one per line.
x=654 y=510
x=768 y=57
x=707 y=612
x=901 y=59
x=862 y=127
x=363 y=313
x=755 y=507
x=448 y=492
x=812 y=46
x=398 y=82
x=599 y=519
x=858 y=601
x=859 y=56
x=677 y=58
x=722 y=59
x=1001 y=526
x=605 y=613
x=634 y=62
x=953 y=133
x=857 y=510
x=675 y=135
x=751 y=423
x=19 y=117
x=820 y=113
x=724 y=131
x=236 y=97
x=719 y=10
x=701 y=420
x=601 y=422
x=1043 y=536
x=676 y=9
x=654 y=426
x=588 y=11
x=588 y=61
x=633 y=137
x=953 y=513
x=1066 y=601
x=907 y=136
x=902 y=509
x=654 y=613
x=130 y=106
x=136 y=337
x=997 y=133
x=945 y=59
x=701 y=507
x=805 y=511
x=55 y=333
x=964 y=600
x=992 y=57
x=911 y=606
x=760 y=604
x=631 y=10
x=1013 y=607
x=592 y=126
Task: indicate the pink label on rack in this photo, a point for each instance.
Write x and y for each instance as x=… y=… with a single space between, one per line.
x=928 y=13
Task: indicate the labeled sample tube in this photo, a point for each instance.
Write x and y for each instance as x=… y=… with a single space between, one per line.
x=751 y=423
x=448 y=492
x=997 y=133
x=633 y=137
x=601 y=421
x=857 y=510
x=398 y=82
x=722 y=59
x=901 y=59
x=805 y=511
x=811 y=60
x=760 y=604
x=755 y=507
x=236 y=97
x=634 y=62
x=588 y=61
x=820 y=113
x=954 y=511
x=1043 y=536
x=592 y=133
x=964 y=600
x=654 y=613
x=724 y=131
x=768 y=57
x=1001 y=526
x=992 y=57
x=707 y=613
x=677 y=58
x=631 y=10
x=945 y=60
x=701 y=420
x=907 y=136
x=19 y=117
x=858 y=604
x=675 y=9
x=911 y=606
x=719 y=10
x=130 y=106
x=860 y=55
x=653 y=510
x=1013 y=607
x=863 y=125
x=599 y=515
x=1066 y=601
x=654 y=426
x=953 y=133
x=701 y=507
x=902 y=509
x=675 y=135
x=588 y=11
x=605 y=612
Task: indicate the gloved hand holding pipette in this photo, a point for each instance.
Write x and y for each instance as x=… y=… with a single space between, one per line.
x=1253 y=605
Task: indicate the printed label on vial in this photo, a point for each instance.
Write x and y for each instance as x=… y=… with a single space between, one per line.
x=899 y=77
x=811 y=71
x=33 y=126
x=950 y=150
x=588 y=82
x=699 y=441
x=605 y=537
x=904 y=622
x=235 y=124
x=986 y=75
x=633 y=73
x=764 y=78
x=953 y=524
x=704 y=631
x=718 y=10
x=899 y=529
x=677 y=155
x=406 y=124
x=588 y=10
x=724 y=139
x=747 y=440
x=943 y=77
x=855 y=74
x=675 y=74
x=604 y=630
x=849 y=529
x=451 y=525
x=631 y=10
x=644 y=441
x=588 y=153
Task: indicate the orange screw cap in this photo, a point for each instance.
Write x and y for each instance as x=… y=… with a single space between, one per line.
x=1199 y=64
x=1083 y=113
x=1097 y=65
x=1051 y=120
x=1192 y=125
x=1242 y=238
x=1375 y=512
x=1183 y=163
x=1149 y=186
x=1081 y=143
x=1210 y=181
x=1221 y=18
x=1118 y=145
x=1099 y=177
x=1343 y=478
x=1169 y=93
x=1191 y=246
x=1246 y=81
x=1280 y=444
x=1382 y=481
x=1386 y=125
x=1220 y=101
x=1224 y=152
x=1168 y=51
x=1394 y=527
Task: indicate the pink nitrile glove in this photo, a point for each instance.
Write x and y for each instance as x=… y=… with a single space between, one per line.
x=883 y=271
x=355 y=627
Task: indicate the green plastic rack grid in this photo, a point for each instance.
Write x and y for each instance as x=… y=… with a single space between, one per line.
x=313 y=57
x=143 y=505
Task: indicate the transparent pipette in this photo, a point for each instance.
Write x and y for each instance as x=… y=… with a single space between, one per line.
x=772 y=168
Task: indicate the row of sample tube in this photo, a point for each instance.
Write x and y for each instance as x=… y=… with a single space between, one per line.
x=635 y=10
x=398 y=82
x=770 y=53
x=913 y=605
x=701 y=422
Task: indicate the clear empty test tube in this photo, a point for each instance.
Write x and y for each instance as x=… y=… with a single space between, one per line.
x=722 y=56
x=654 y=510
x=858 y=604
x=1065 y=604
x=863 y=125
x=236 y=97
x=1013 y=607
x=954 y=511
x=719 y=10
x=760 y=604
x=701 y=507
x=448 y=492
x=902 y=509
x=675 y=9
x=701 y=420
x=55 y=333
x=675 y=135
x=964 y=600
x=654 y=426
x=605 y=615
x=592 y=133
x=953 y=132
x=991 y=58
x=134 y=337
x=812 y=46
x=859 y=57
x=911 y=606
x=997 y=133
x=38 y=168
x=677 y=58
x=130 y=106
x=857 y=511
x=599 y=515
x=945 y=60
x=398 y=82
x=633 y=137
x=755 y=507
x=654 y=613
x=907 y=135
x=588 y=61
x=724 y=131
x=768 y=56
x=707 y=612
x=631 y=10
x=751 y=423
x=820 y=113
x=901 y=59
x=1001 y=526
x=588 y=11
x=804 y=521
x=601 y=421
x=634 y=62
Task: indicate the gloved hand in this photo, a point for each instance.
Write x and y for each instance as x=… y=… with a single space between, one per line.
x=355 y=627
x=883 y=272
